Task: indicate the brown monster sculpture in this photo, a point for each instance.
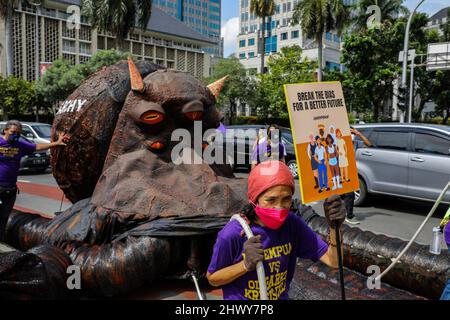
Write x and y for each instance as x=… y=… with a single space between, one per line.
x=146 y=216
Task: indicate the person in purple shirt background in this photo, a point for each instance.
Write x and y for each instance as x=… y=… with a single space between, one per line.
x=446 y=229
x=12 y=149
x=280 y=238
x=262 y=150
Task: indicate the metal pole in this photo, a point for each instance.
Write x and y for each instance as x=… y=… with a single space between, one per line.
x=197 y=288
x=411 y=89
x=341 y=265
x=36 y=44
x=406 y=44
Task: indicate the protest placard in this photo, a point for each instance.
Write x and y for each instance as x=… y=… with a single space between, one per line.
x=322 y=138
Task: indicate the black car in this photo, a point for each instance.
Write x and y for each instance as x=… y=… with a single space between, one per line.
x=37 y=161
x=240 y=139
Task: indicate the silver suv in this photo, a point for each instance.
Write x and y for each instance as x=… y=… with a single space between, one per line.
x=407 y=160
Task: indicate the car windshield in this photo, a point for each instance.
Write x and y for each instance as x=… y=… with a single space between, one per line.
x=287 y=136
x=43 y=130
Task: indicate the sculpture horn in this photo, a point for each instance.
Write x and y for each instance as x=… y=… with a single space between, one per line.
x=217 y=86
x=137 y=84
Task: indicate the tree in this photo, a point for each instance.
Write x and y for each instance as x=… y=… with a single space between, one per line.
x=389 y=9
x=6 y=11
x=424 y=79
x=237 y=87
x=441 y=88
x=317 y=17
x=61 y=79
x=102 y=59
x=17 y=96
x=370 y=77
x=442 y=94
x=263 y=9
x=286 y=66
x=445 y=27
x=117 y=16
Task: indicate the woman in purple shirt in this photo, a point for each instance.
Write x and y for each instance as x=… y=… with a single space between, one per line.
x=262 y=150
x=12 y=149
x=280 y=238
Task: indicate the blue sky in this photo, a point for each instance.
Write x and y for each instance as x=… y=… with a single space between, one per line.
x=230 y=20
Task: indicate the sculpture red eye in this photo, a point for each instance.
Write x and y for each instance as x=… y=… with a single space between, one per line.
x=195 y=115
x=152 y=117
x=157 y=145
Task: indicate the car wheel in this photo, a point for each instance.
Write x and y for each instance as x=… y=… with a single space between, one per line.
x=361 y=195
x=293 y=168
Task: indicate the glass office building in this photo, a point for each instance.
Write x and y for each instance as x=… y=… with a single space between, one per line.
x=204 y=16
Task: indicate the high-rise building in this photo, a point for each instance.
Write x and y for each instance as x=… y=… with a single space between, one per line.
x=280 y=32
x=165 y=40
x=439 y=18
x=201 y=15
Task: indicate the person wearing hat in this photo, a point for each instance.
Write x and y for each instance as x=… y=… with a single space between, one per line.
x=280 y=238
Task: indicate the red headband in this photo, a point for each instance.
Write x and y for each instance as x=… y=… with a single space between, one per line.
x=267 y=175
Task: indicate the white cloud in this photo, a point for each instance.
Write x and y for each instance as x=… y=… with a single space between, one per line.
x=230 y=30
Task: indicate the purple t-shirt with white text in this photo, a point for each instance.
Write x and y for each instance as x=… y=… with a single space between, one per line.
x=10 y=155
x=281 y=249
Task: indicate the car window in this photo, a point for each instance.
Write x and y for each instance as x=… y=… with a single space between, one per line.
x=390 y=139
x=286 y=135
x=427 y=143
x=43 y=130
x=365 y=132
x=26 y=132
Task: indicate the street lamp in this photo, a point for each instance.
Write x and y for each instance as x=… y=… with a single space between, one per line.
x=406 y=47
x=36 y=4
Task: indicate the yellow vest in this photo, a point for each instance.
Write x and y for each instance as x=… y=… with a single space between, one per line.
x=446 y=219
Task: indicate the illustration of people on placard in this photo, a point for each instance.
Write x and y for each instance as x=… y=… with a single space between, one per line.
x=311 y=154
x=332 y=156
x=322 y=134
x=332 y=132
x=343 y=159
x=320 y=157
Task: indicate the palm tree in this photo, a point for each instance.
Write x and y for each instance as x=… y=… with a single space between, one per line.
x=6 y=11
x=262 y=9
x=390 y=10
x=117 y=16
x=317 y=17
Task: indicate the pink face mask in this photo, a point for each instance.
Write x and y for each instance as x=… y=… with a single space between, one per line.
x=272 y=218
